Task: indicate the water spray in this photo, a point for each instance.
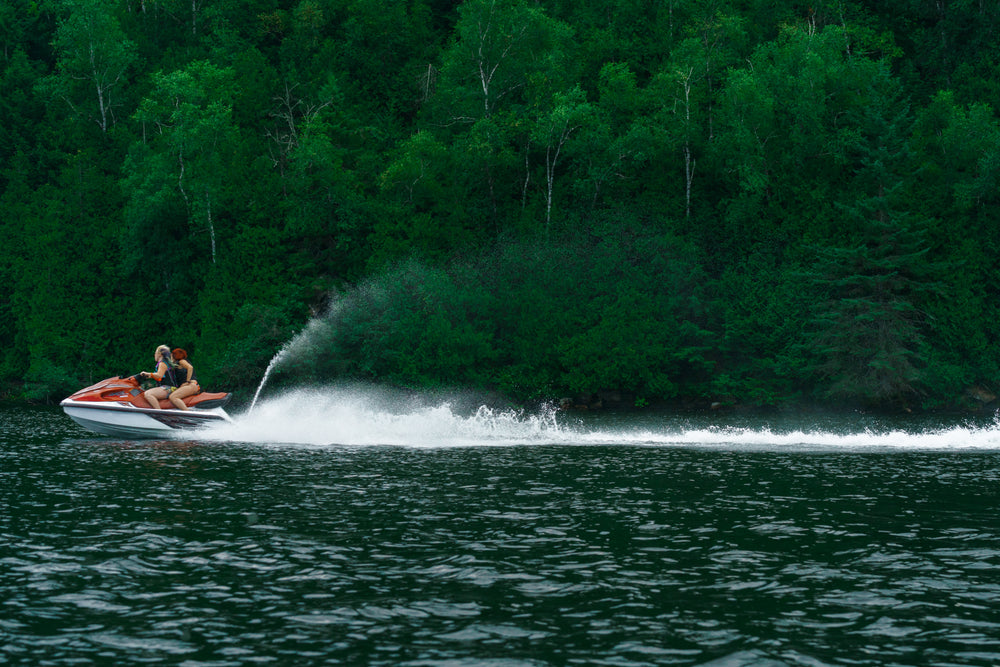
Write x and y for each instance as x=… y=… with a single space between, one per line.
x=275 y=360
x=305 y=342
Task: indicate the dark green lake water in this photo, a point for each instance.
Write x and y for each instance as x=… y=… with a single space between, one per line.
x=346 y=534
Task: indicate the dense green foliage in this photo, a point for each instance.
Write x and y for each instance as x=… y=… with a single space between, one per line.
x=694 y=200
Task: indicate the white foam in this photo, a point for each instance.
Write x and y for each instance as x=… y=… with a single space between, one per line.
x=957 y=438
x=370 y=416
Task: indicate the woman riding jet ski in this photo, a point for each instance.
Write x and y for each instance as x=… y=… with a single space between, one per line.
x=119 y=406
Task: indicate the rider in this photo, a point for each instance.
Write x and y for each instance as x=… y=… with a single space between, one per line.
x=185 y=375
x=166 y=375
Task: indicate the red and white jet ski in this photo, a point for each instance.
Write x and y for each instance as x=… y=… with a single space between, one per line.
x=117 y=407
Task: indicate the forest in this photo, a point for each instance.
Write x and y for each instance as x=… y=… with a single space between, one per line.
x=639 y=202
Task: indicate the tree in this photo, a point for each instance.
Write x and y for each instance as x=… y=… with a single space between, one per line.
x=869 y=330
x=429 y=215
x=959 y=149
x=688 y=85
x=94 y=58
x=504 y=67
x=570 y=112
x=322 y=208
x=781 y=151
x=64 y=302
x=628 y=331
x=187 y=139
x=949 y=45
x=499 y=43
x=21 y=115
x=618 y=141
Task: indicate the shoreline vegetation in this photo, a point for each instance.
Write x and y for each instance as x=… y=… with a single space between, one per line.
x=739 y=204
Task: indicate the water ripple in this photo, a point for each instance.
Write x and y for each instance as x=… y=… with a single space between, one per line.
x=231 y=554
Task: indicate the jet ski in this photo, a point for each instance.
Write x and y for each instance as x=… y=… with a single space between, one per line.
x=117 y=407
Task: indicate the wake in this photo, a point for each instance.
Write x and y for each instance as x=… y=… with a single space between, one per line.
x=369 y=417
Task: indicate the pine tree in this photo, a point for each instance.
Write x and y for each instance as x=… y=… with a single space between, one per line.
x=868 y=330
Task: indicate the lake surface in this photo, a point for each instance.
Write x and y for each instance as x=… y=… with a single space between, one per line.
x=335 y=528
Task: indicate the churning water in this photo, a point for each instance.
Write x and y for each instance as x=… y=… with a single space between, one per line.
x=339 y=527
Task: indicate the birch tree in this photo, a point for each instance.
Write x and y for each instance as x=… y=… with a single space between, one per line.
x=498 y=78
x=570 y=113
x=188 y=135
x=94 y=58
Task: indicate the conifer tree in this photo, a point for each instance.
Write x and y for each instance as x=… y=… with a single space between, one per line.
x=869 y=329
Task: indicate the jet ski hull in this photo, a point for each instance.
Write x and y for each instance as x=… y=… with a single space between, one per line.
x=131 y=422
x=116 y=407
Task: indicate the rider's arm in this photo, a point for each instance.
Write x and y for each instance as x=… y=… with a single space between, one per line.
x=161 y=370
